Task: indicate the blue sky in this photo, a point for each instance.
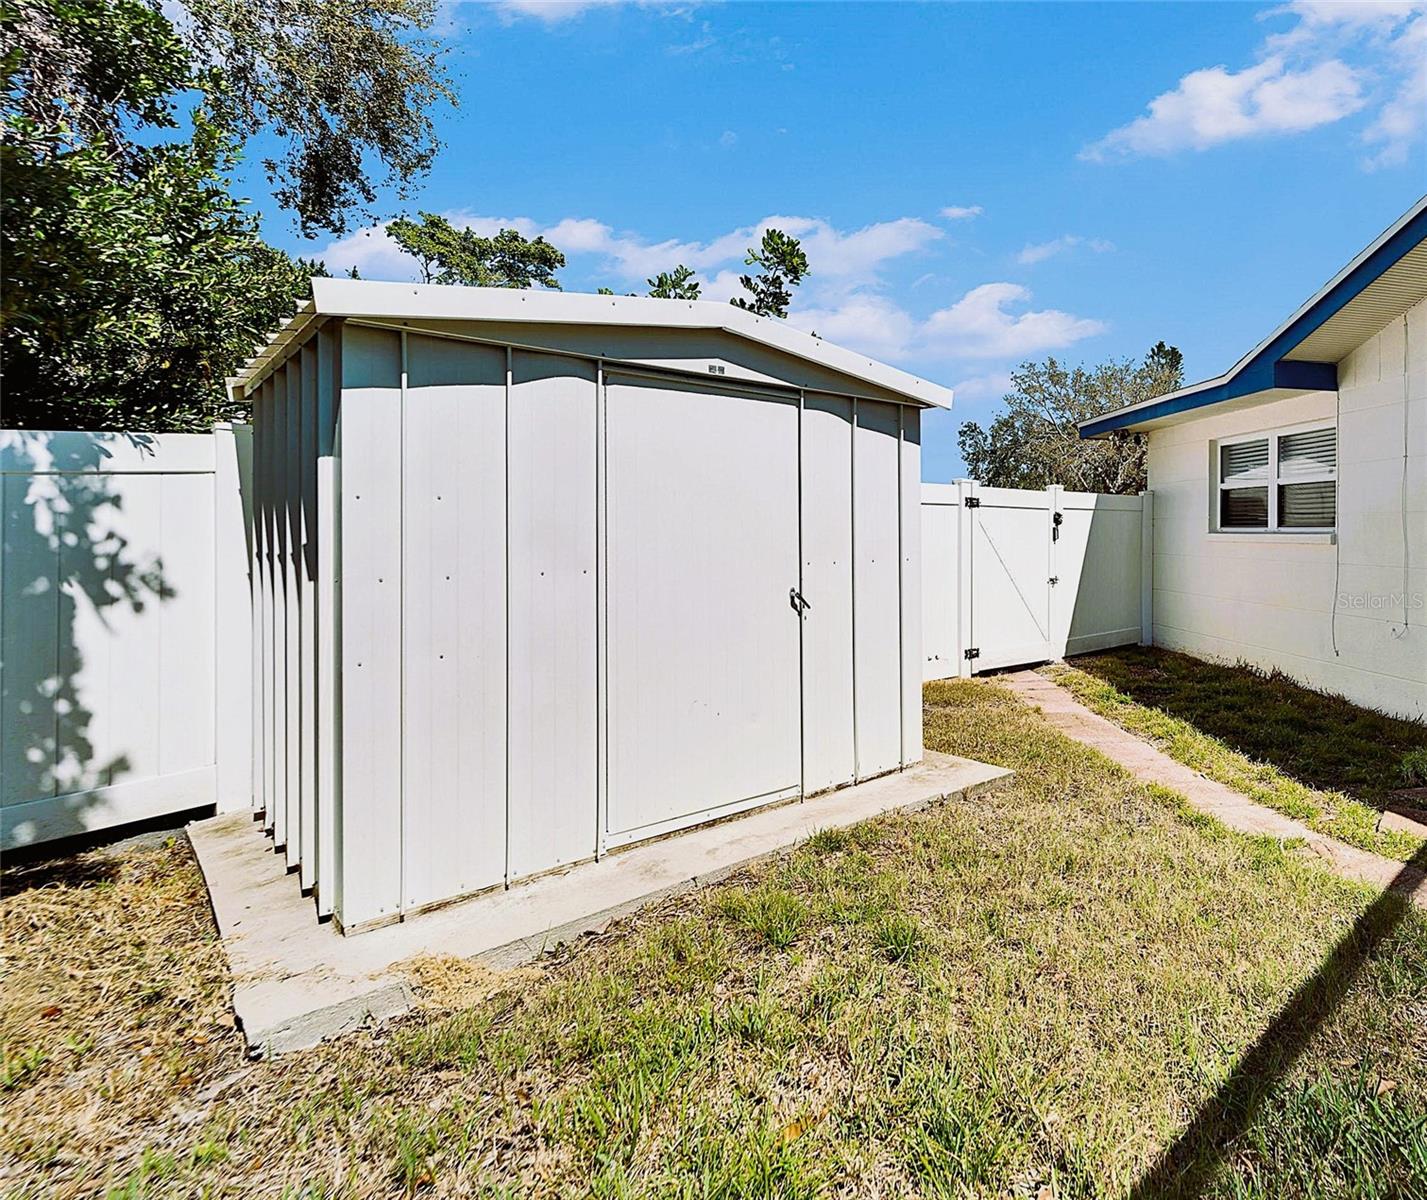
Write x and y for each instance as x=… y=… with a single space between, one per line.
x=975 y=184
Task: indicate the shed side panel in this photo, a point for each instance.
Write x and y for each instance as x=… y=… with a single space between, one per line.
x=278 y=524
x=877 y=588
x=307 y=633
x=327 y=489
x=911 y=583
x=553 y=671
x=453 y=575
x=828 y=750
x=370 y=433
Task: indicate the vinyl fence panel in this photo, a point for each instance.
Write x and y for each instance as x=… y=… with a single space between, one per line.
x=119 y=561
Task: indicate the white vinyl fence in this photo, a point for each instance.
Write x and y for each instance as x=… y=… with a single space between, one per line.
x=1012 y=576
x=125 y=684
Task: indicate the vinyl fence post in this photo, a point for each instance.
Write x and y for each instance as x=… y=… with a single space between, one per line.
x=965 y=530
x=1057 y=619
x=1146 y=568
x=232 y=616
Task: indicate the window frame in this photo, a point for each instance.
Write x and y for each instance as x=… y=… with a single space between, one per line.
x=1272 y=482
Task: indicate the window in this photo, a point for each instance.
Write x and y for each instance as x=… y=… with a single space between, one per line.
x=1280 y=480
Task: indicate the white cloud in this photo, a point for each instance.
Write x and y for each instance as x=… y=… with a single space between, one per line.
x=978 y=325
x=983 y=387
x=843 y=298
x=548 y=12
x=1040 y=251
x=957 y=212
x=1400 y=121
x=981 y=325
x=1336 y=59
x=727 y=139
x=1217 y=105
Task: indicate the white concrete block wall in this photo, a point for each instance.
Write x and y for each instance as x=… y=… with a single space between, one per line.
x=1345 y=614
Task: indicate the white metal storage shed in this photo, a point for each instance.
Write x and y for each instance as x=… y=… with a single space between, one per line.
x=540 y=575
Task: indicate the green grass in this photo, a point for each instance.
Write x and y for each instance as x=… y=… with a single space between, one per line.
x=1324 y=742
x=1261 y=735
x=1041 y=988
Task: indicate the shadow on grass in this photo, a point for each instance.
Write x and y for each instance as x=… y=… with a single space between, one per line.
x=1325 y=742
x=1189 y=1165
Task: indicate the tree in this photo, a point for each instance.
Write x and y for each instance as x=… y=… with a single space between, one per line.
x=1035 y=441
x=678 y=284
x=134 y=283
x=345 y=85
x=783 y=266
x=447 y=254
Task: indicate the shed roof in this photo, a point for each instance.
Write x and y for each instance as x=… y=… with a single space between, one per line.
x=1303 y=353
x=359 y=298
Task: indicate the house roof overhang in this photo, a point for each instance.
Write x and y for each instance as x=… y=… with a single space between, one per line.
x=395 y=302
x=1303 y=353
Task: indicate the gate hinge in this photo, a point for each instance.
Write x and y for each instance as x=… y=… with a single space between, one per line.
x=973 y=501
x=972 y=652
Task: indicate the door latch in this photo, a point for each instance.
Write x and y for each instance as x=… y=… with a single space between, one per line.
x=796 y=600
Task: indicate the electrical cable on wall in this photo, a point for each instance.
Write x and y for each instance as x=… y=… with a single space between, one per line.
x=1406 y=540
x=1337 y=537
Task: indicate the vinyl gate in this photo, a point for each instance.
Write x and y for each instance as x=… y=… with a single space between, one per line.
x=1013 y=576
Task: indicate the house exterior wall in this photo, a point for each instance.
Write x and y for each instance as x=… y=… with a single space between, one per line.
x=1342 y=613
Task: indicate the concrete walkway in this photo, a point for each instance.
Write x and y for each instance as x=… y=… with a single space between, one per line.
x=1233 y=808
x=296 y=981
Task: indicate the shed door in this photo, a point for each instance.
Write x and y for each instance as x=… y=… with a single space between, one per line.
x=701 y=492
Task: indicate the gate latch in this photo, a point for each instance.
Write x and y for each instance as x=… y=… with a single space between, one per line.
x=795 y=598
x=1055 y=522
x=1053 y=580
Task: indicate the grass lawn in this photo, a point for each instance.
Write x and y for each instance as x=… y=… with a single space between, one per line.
x=1317 y=758
x=1069 y=987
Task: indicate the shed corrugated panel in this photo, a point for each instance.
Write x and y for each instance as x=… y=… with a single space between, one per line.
x=371 y=800
x=453 y=531
x=307 y=633
x=877 y=589
x=277 y=537
x=827 y=586
x=551 y=527
x=255 y=551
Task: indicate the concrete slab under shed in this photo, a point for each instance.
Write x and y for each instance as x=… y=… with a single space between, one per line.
x=296 y=982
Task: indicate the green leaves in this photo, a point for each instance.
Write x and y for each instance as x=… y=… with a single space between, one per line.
x=1035 y=441
x=783 y=266
x=134 y=283
x=678 y=284
x=347 y=85
x=461 y=256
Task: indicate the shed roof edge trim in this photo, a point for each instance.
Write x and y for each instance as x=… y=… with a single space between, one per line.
x=402 y=301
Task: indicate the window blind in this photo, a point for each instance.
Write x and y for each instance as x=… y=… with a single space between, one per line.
x=1312 y=452
x=1308 y=505
x=1244 y=462
x=1243 y=508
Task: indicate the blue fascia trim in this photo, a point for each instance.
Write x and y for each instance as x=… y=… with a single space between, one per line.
x=1268 y=368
